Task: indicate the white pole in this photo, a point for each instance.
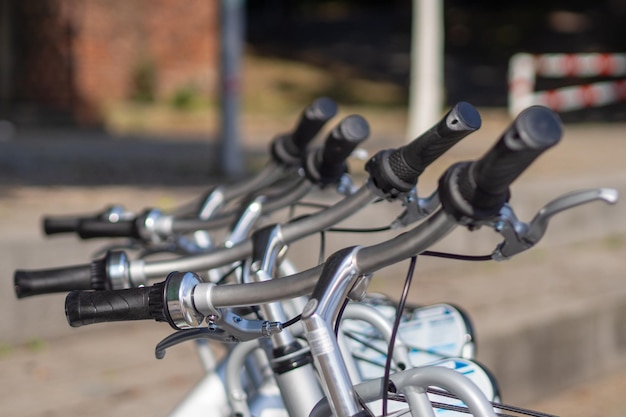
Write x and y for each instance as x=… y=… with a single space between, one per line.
x=426 y=78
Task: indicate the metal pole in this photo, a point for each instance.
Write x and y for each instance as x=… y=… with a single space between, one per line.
x=231 y=45
x=426 y=79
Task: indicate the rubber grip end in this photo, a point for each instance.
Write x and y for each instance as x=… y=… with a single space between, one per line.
x=539 y=127
x=466 y=115
x=323 y=108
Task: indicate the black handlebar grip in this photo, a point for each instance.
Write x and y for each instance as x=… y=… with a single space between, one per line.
x=396 y=171
x=47 y=281
x=532 y=132
x=328 y=164
x=96 y=228
x=342 y=140
x=63 y=224
x=88 y=307
x=459 y=122
x=477 y=190
x=311 y=122
x=288 y=149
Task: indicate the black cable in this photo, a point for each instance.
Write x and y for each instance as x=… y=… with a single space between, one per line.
x=322 y=256
x=343 y=308
x=394 y=332
x=457 y=256
x=364 y=342
x=350 y=230
x=228 y=273
x=292 y=321
x=311 y=205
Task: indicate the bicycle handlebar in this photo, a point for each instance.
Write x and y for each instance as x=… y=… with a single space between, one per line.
x=311 y=122
x=366 y=260
x=477 y=190
x=63 y=224
x=82 y=308
x=45 y=281
x=140 y=270
x=459 y=122
x=396 y=171
x=70 y=224
x=288 y=149
x=97 y=228
x=535 y=130
x=328 y=164
x=291 y=147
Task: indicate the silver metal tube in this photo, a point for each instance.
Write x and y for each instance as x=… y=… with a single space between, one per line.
x=372 y=258
x=326 y=218
x=373 y=317
x=254 y=293
x=268 y=175
x=422 y=377
x=276 y=199
x=286 y=197
x=368 y=260
x=318 y=318
x=291 y=232
x=237 y=396
x=218 y=257
x=418 y=401
x=300 y=390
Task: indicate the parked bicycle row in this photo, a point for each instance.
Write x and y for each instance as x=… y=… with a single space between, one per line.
x=314 y=340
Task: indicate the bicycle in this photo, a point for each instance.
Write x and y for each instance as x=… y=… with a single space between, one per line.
x=185 y=301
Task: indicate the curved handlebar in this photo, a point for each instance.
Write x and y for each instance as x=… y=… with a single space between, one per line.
x=519 y=139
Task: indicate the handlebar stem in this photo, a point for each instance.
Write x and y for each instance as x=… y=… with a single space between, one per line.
x=318 y=317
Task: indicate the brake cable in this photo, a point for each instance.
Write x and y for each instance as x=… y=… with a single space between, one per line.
x=394 y=331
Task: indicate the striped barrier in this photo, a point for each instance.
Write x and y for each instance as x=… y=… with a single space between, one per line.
x=525 y=68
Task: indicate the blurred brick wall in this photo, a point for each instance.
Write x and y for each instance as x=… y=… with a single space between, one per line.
x=80 y=55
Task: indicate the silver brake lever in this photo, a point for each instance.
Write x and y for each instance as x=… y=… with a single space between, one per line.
x=227 y=328
x=190 y=334
x=519 y=236
x=415 y=208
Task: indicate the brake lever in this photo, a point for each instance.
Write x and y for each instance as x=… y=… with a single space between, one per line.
x=227 y=328
x=416 y=208
x=190 y=334
x=520 y=236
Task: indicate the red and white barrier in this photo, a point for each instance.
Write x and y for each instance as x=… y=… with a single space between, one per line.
x=525 y=68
